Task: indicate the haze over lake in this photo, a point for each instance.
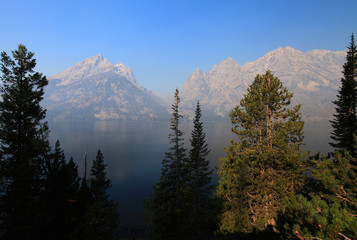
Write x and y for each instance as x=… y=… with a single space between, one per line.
x=134 y=150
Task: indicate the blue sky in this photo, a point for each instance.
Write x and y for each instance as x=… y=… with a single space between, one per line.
x=165 y=41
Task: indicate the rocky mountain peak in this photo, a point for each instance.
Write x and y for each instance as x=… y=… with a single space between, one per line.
x=96 y=89
x=92 y=66
x=225 y=67
x=286 y=52
x=197 y=72
x=94 y=59
x=228 y=63
x=125 y=71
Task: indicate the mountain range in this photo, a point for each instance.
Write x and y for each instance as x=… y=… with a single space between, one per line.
x=313 y=77
x=96 y=89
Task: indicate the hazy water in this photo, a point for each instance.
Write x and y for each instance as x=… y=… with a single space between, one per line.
x=134 y=150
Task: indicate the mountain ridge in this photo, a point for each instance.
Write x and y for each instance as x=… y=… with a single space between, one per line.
x=95 y=89
x=313 y=77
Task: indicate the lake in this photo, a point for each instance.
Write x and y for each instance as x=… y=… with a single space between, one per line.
x=133 y=151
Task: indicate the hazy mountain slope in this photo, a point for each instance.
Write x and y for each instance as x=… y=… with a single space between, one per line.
x=97 y=89
x=313 y=77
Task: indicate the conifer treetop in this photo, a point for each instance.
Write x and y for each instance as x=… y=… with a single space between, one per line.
x=344 y=123
x=266 y=165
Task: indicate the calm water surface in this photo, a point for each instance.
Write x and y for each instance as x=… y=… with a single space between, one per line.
x=134 y=151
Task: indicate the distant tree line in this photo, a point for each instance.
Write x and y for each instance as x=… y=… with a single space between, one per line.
x=264 y=191
x=41 y=193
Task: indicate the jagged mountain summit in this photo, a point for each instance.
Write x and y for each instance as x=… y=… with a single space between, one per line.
x=313 y=77
x=96 y=89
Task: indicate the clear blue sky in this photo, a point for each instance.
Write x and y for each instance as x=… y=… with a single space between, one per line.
x=165 y=41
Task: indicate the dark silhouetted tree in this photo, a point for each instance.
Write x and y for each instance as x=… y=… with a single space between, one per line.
x=23 y=133
x=60 y=194
x=345 y=121
x=101 y=218
x=165 y=211
x=200 y=176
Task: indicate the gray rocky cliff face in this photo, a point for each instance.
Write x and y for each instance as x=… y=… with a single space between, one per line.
x=314 y=78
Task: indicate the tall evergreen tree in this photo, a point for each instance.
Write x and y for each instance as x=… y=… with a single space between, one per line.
x=22 y=132
x=200 y=176
x=60 y=194
x=101 y=218
x=165 y=212
x=266 y=165
x=345 y=121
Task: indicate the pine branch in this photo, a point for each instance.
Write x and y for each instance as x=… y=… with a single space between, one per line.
x=341 y=234
x=346 y=199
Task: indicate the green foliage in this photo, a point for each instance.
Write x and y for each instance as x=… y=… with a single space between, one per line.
x=23 y=138
x=165 y=211
x=345 y=122
x=330 y=212
x=265 y=166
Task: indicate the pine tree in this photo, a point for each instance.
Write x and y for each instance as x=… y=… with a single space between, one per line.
x=72 y=180
x=72 y=184
x=101 y=218
x=165 y=212
x=265 y=166
x=200 y=176
x=60 y=194
x=22 y=139
x=330 y=211
x=98 y=182
x=345 y=121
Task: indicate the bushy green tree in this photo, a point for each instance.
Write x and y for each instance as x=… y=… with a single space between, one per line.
x=266 y=165
x=200 y=177
x=23 y=133
x=165 y=211
x=345 y=121
x=329 y=212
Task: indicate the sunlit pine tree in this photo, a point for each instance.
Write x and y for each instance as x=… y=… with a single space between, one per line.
x=330 y=211
x=266 y=164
